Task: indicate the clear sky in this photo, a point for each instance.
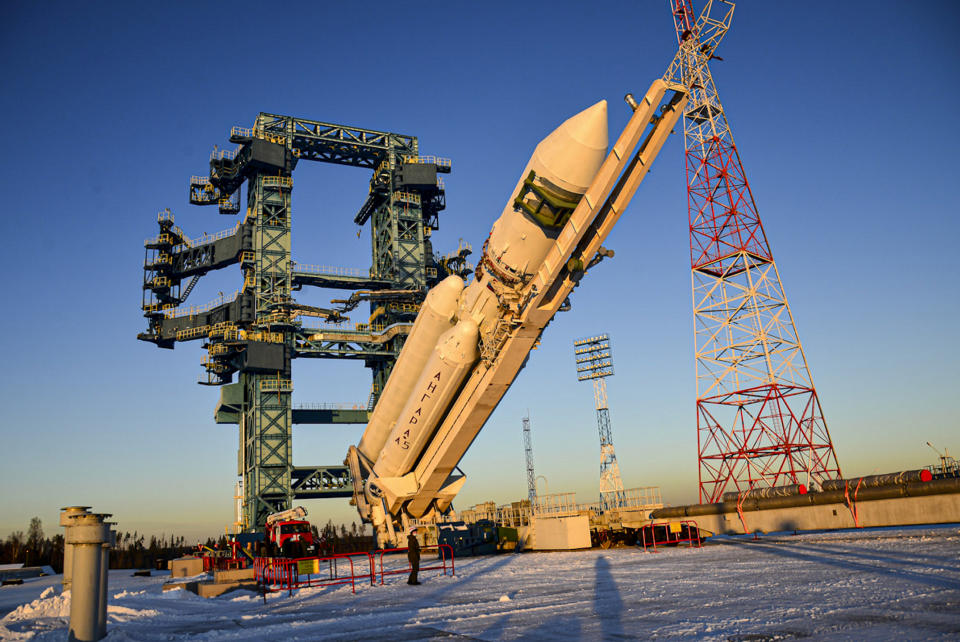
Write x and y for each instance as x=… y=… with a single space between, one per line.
x=840 y=112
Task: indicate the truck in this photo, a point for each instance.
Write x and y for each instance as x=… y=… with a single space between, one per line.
x=288 y=534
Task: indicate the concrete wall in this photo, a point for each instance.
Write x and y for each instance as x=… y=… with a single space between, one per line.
x=930 y=509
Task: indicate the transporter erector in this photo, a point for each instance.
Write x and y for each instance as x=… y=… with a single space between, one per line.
x=469 y=342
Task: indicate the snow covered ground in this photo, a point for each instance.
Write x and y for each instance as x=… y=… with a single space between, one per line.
x=880 y=584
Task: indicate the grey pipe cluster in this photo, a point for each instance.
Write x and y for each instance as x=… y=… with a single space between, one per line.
x=86 y=560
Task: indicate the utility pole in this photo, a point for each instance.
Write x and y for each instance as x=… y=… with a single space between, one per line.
x=528 y=450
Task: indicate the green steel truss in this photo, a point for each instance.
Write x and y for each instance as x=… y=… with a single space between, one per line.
x=266 y=446
x=257 y=332
x=339 y=144
x=267 y=451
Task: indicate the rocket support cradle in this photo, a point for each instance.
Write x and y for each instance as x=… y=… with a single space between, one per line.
x=468 y=344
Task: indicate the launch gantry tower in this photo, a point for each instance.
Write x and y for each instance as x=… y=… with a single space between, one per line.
x=759 y=421
x=595 y=363
x=257 y=331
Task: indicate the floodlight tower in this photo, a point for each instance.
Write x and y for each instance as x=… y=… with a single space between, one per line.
x=759 y=421
x=528 y=450
x=595 y=362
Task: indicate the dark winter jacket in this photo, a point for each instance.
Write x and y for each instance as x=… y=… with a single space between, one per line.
x=413 y=546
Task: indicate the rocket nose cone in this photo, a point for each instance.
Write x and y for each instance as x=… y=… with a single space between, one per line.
x=442 y=298
x=451 y=284
x=589 y=127
x=571 y=155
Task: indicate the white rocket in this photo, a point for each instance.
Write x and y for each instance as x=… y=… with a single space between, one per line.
x=468 y=343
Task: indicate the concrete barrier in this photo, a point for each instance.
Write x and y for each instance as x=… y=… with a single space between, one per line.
x=233 y=575
x=186 y=567
x=934 y=502
x=213 y=589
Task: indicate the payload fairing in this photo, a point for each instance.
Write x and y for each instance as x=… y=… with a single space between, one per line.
x=468 y=343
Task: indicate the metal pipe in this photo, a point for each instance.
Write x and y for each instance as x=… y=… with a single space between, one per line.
x=65 y=514
x=770 y=491
x=875 y=481
x=87 y=533
x=104 y=571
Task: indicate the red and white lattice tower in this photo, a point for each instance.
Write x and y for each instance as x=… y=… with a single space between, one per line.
x=759 y=421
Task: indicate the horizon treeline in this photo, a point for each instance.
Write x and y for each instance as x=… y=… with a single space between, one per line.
x=137 y=551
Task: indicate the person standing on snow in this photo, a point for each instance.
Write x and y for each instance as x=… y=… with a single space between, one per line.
x=413 y=554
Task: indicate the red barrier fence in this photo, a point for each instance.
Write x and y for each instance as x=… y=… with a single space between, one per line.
x=441 y=549
x=279 y=574
x=674 y=534
x=218 y=563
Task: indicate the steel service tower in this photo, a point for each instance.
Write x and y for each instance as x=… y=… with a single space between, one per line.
x=252 y=336
x=595 y=363
x=759 y=421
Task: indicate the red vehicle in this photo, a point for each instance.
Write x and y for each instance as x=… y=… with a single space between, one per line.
x=289 y=534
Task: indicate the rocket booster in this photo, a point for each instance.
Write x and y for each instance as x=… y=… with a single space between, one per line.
x=468 y=344
x=435 y=317
x=445 y=370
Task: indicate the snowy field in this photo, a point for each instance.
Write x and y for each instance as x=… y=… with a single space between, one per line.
x=880 y=584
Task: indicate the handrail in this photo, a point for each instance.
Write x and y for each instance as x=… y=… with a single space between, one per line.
x=330 y=406
x=436 y=160
x=669 y=526
x=276 y=385
x=193 y=333
x=376 y=333
x=328 y=269
x=440 y=549
x=277 y=181
x=231 y=202
x=210 y=238
x=407 y=197
x=225 y=154
x=192 y=310
x=257 y=132
x=284 y=573
x=358 y=328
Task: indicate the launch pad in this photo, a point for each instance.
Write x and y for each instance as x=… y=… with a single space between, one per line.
x=759 y=420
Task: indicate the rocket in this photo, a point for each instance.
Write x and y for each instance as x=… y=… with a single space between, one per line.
x=468 y=343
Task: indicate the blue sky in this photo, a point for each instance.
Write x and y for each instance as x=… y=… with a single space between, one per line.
x=840 y=112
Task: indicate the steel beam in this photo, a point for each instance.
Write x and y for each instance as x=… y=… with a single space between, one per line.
x=320 y=482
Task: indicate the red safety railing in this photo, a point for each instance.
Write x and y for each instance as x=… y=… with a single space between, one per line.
x=442 y=549
x=674 y=534
x=278 y=574
x=282 y=574
x=218 y=563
